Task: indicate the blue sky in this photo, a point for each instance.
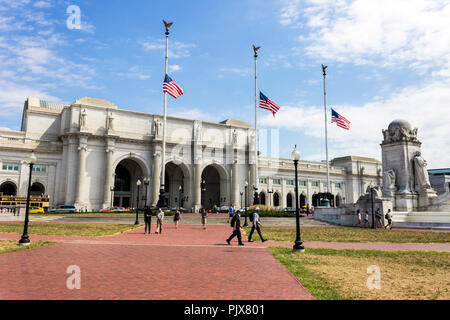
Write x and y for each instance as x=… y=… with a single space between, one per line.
x=386 y=60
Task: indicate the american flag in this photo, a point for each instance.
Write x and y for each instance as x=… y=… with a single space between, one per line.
x=172 y=88
x=266 y=103
x=340 y=120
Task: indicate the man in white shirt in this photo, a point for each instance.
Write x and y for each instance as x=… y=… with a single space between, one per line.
x=256 y=225
x=160 y=218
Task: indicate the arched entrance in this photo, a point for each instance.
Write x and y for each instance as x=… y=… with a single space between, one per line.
x=210 y=188
x=289 y=200
x=126 y=175
x=8 y=189
x=302 y=200
x=315 y=200
x=37 y=189
x=262 y=198
x=276 y=199
x=176 y=184
x=338 y=201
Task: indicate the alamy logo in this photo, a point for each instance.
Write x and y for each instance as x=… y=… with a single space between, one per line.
x=74 y=19
x=74 y=280
x=374 y=280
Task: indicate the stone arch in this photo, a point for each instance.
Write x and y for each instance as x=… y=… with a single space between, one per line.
x=8 y=188
x=37 y=189
x=263 y=198
x=276 y=199
x=315 y=200
x=177 y=183
x=289 y=200
x=338 y=200
x=127 y=172
x=302 y=200
x=143 y=163
x=219 y=195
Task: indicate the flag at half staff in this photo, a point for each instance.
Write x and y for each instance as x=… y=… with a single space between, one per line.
x=341 y=121
x=266 y=103
x=171 y=87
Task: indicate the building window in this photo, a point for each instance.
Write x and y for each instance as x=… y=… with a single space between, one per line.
x=276 y=181
x=337 y=185
x=314 y=183
x=290 y=182
x=39 y=168
x=324 y=184
x=263 y=180
x=302 y=183
x=10 y=166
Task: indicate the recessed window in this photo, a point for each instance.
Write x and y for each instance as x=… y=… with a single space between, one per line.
x=39 y=168
x=263 y=180
x=290 y=182
x=314 y=183
x=302 y=183
x=337 y=185
x=10 y=166
x=276 y=181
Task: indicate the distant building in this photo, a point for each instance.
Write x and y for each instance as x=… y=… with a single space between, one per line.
x=440 y=180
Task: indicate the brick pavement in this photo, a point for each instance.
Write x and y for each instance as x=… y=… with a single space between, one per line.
x=178 y=264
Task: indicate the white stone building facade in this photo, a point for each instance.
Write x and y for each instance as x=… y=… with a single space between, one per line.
x=91 y=154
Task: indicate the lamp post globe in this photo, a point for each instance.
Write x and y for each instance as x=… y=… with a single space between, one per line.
x=298 y=244
x=138 y=184
x=245 y=210
x=24 y=240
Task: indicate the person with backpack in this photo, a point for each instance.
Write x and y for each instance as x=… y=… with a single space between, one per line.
x=388 y=217
x=236 y=225
x=230 y=213
x=254 y=218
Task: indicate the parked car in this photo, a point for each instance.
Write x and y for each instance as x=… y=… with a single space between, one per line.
x=36 y=210
x=289 y=209
x=64 y=208
x=181 y=209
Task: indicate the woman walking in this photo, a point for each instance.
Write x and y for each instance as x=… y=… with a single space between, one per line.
x=176 y=218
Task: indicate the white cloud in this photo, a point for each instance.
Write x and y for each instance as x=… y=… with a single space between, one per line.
x=177 y=49
x=174 y=68
x=425 y=107
x=135 y=73
x=42 y=4
x=412 y=33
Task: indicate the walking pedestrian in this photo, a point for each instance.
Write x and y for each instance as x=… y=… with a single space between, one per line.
x=366 y=219
x=148 y=219
x=256 y=225
x=159 y=221
x=388 y=217
x=378 y=217
x=236 y=224
x=176 y=218
x=230 y=213
x=358 y=216
x=204 y=216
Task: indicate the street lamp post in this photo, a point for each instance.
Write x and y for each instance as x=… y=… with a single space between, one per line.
x=246 y=194
x=180 y=188
x=146 y=182
x=112 y=195
x=138 y=183
x=241 y=193
x=24 y=240
x=298 y=245
x=270 y=192
x=373 y=216
x=203 y=188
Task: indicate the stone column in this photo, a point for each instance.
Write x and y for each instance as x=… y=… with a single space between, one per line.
x=251 y=183
x=197 y=187
x=234 y=184
x=79 y=198
x=156 y=177
x=109 y=181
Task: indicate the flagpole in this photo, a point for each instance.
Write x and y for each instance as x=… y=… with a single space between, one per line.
x=255 y=186
x=162 y=199
x=325 y=202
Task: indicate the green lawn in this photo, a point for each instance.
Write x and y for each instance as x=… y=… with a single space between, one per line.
x=343 y=274
x=345 y=234
x=11 y=246
x=67 y=229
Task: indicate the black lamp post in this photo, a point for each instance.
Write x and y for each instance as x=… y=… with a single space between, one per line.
x=112 y=195
x=138 y=183
x=180 y=189
x=246 y=194
x=298 y=245
x=203 y=188
x=146 y=182
x=373 y=216
x=24 y=240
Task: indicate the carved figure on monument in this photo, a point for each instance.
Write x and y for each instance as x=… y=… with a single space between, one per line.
x=110 y=123
x=234 y=136
x=385 y=136
x=157 y=125
x=389 y=182
x=83 y=116
x=420 y=167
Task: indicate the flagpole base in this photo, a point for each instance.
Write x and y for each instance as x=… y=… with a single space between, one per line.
x=162 y=203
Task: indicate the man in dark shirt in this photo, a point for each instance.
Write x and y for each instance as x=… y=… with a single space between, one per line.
x=148 y=219
x=236 y=228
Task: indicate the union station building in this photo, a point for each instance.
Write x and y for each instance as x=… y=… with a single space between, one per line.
x=91 y=154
